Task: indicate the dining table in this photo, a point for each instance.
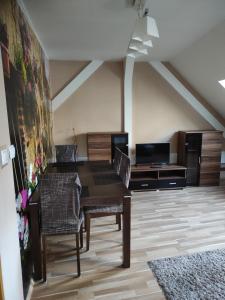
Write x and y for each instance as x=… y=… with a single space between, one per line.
x=101 y=186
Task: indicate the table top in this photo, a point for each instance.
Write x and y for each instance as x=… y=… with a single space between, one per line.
x=84 y=166
x=99 y=181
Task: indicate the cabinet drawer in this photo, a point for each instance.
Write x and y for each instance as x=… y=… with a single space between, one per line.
x=99 y=138
x=143 y=184
x=99 y=154
x=99 y=146
x=211 y=159
x=210 y=167
x=210 y=137
x=172 y=183
x=209 y=179
x=211 y=143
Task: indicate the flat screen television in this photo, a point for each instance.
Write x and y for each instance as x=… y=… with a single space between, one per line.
x=154 y=153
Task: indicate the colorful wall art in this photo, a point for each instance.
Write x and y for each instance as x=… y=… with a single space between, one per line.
x=27 y=92
x=25 y=70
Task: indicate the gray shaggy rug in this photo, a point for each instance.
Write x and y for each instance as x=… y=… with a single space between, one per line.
x=199 y=276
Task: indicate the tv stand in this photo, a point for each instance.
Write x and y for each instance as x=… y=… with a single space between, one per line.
x=157 y=166
x=149 y=177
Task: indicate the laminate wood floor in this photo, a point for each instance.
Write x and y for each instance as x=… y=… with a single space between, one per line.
x=164 y=223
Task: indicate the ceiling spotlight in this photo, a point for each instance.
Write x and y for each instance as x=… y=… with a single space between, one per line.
x=145 y=41
x=145 y=26
x=134 y=54
x=222 y=82
x=152 y=28
x=143 y=51
x=133 y=46
x=136 y=37
x=139 y=49
x=148 y=43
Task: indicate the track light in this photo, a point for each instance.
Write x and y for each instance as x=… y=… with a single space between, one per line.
x=141 y=50
x=148 y=43
x=222 y=82
x=145 y=26
x=151 y=25
x=139 y=47
x=133 y=54
x=144 y=40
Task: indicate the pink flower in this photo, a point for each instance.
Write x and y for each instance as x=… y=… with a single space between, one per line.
x=33 y=177
x=38 y=162
x=24 y=194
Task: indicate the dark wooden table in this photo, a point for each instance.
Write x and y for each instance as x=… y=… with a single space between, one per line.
x=100 y=186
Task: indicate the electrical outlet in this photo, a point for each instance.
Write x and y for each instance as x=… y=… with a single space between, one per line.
x=4 y=157
x=12 y=152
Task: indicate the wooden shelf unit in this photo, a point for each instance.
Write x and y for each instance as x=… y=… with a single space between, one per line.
x=146 y=177
x=200 y=152
x=100 y=145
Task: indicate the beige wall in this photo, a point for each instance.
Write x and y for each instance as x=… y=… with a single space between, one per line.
x=96 y=106
x=62 y=72
x=9 y=241
x=158 y=111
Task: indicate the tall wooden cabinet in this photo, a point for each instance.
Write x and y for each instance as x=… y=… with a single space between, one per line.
x=101 y=145
x=200 y=152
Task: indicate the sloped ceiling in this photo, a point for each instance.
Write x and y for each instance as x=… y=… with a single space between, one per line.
x=203 y=64
x=101 y=29
x=192 y=35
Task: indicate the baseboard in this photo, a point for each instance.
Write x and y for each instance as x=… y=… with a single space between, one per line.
x=82 y=158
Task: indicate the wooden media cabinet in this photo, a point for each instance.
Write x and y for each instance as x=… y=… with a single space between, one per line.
x=101 y=145
x=145 y=177
x=200 y=152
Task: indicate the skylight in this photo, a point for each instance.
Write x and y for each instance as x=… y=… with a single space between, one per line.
x=222 y=82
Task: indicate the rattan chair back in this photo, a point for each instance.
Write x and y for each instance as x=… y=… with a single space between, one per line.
x=60 y=203
x=66 y=153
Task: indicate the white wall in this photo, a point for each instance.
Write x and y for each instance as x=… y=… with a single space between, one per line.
x=9 y=242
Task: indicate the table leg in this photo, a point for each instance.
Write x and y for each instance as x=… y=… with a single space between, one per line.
x=126 y=231
x=36 y=241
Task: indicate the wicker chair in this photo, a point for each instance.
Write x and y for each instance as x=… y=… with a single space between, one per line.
x=102 y=211
x=116 y=165
x=60 y=209
x=117 y=160
x=66 y=153
x=125 y=169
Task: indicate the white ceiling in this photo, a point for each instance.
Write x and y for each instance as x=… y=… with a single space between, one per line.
x=101 y=29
